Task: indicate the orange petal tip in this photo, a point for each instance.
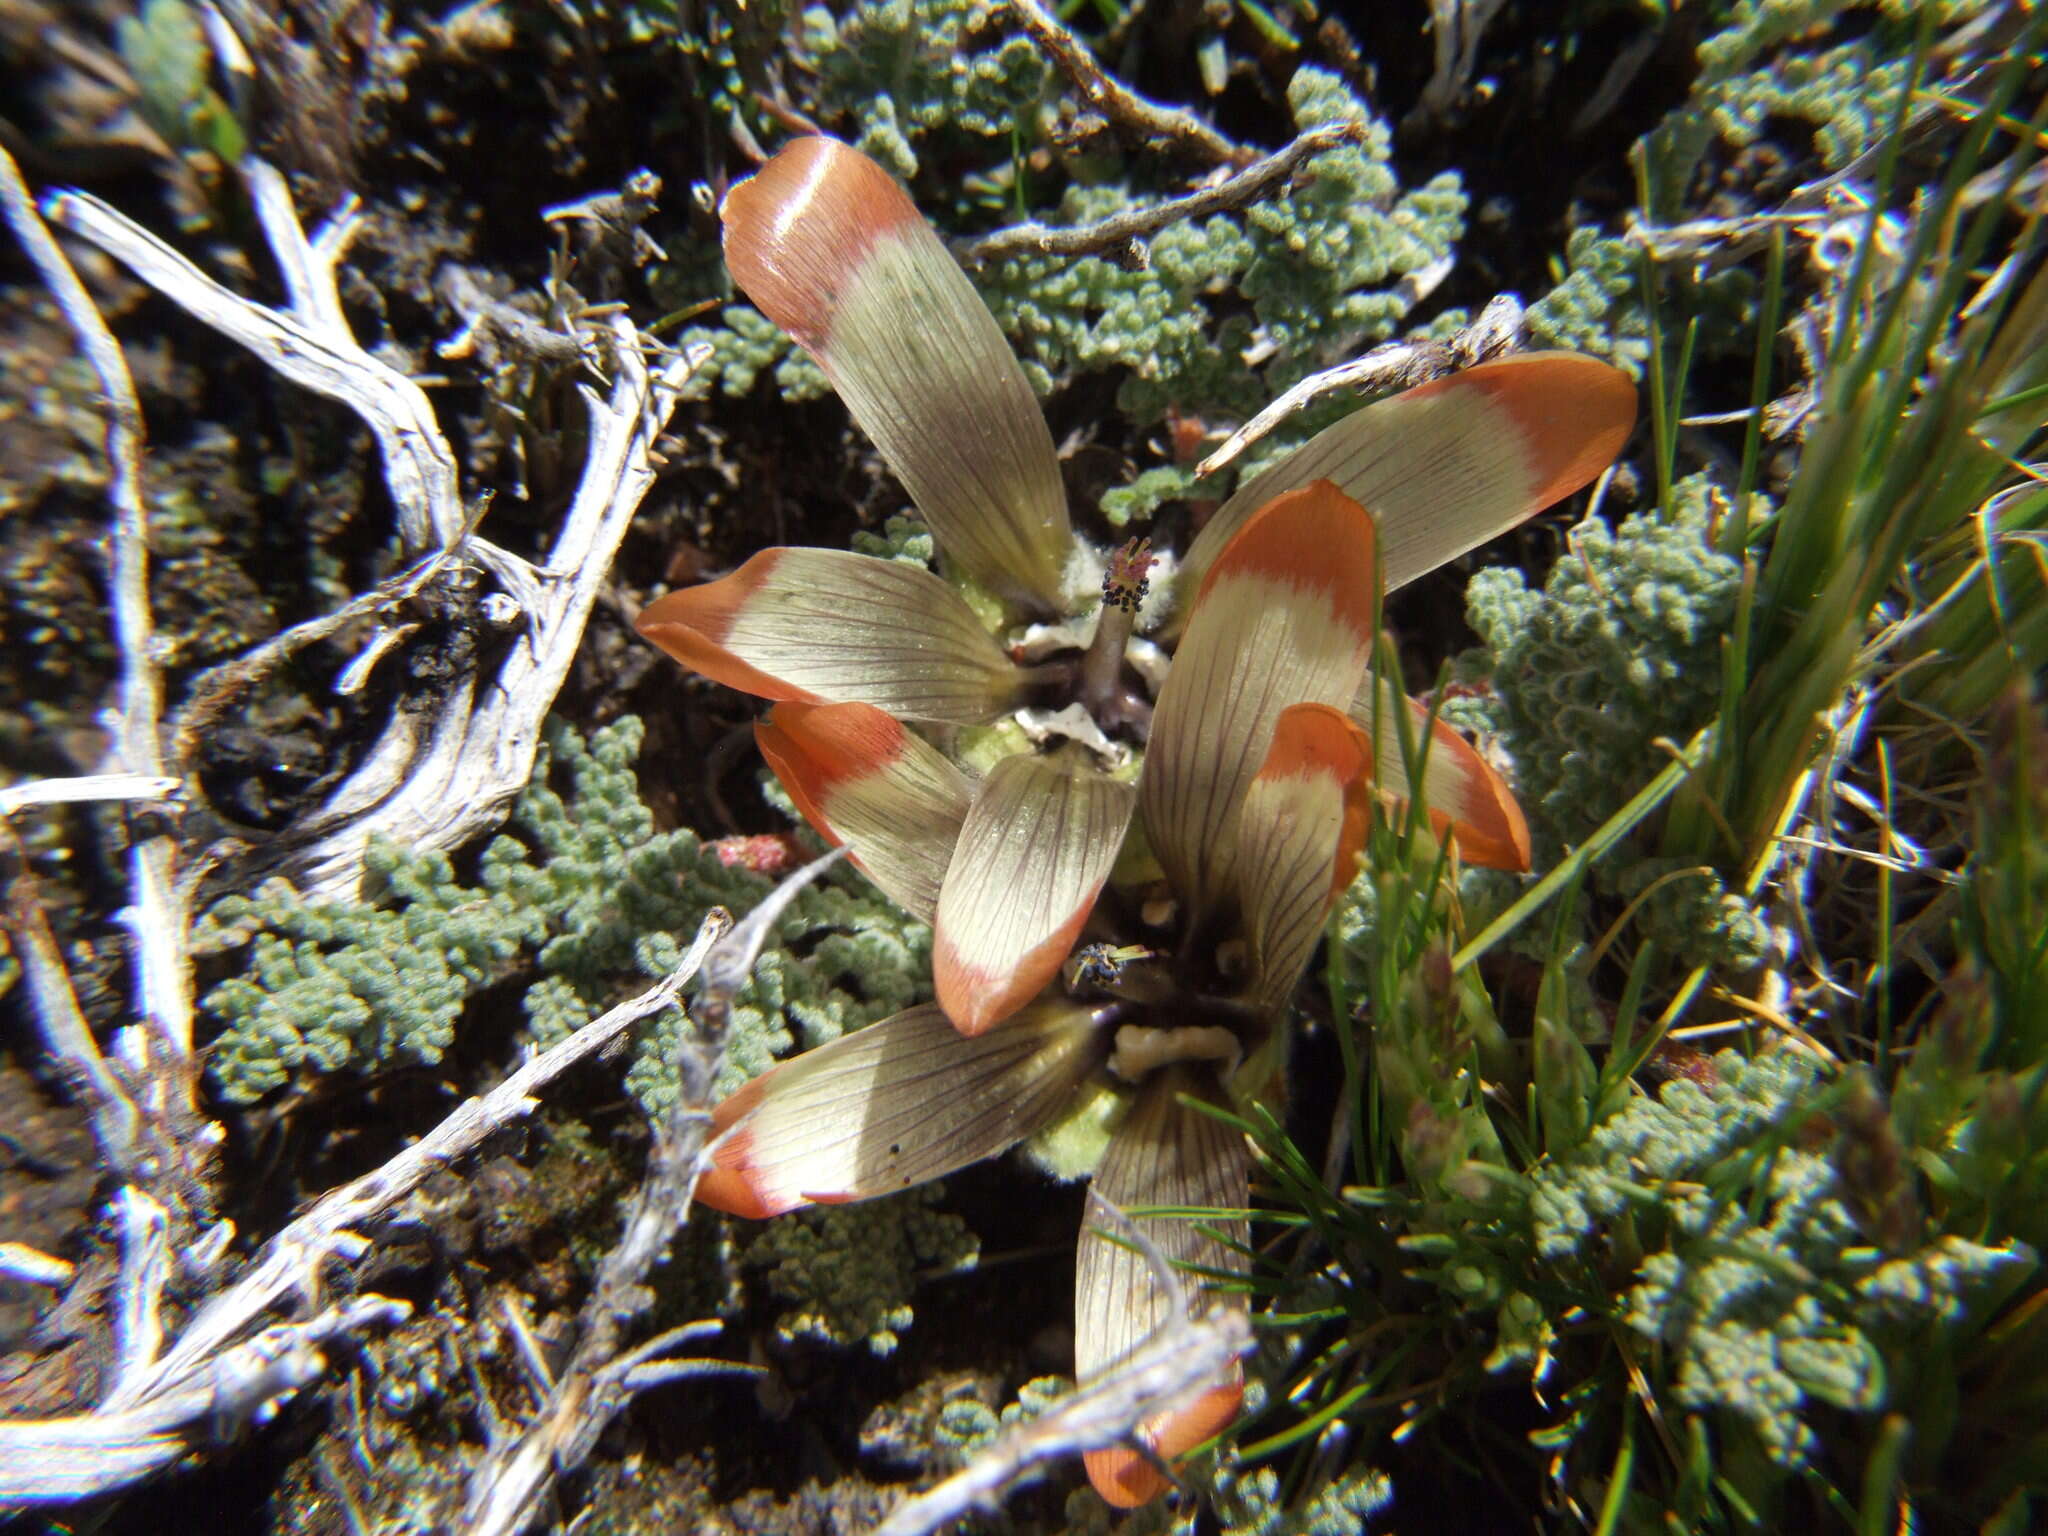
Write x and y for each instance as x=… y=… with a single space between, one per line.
x=1573 y=414
x=726 y=1185
x=842 y=201
x=1315 y=539
x=1503 y=843
x=692 y=625
x=976 y=1000
x=1317 y=740
x=1126 y=1478
x=832 y=744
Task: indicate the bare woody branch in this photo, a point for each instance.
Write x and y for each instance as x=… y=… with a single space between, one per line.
x=220 y=1374
x=291 y=1262
x=86 y=789
x=433 y=780
x=67 y=1036
x=1396 y=366
x=140 y=696
x=309 y=344
x=48 y=1461
x=1117 y=101
x=1119 y=235
x=150 y=1125
x=506 y=1487
x=1181 y=1359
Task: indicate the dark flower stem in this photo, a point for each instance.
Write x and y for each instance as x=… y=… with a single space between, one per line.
x=1124 y=586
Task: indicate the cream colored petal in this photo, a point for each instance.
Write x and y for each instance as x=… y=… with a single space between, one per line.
x=1286 y=616
x=893 y=1105
x=1164 y=1154
x=1028 y=866
x=1304 y=824
x=1448 y=465
x=862 y=779
x=826 y=625
x=835 y=252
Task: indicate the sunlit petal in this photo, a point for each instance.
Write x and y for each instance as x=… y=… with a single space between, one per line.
x=834 y=252
x=825 y=625
x=862 y=779
x=1026 y=870
x=1467 y=798
x=1303 y=825
x=1285 y=616
x=1164 y=1154
x=1450 y=464
x=893 y=1105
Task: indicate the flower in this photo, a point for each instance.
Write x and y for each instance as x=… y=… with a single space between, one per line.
x=835 y=253
x=1258 y=775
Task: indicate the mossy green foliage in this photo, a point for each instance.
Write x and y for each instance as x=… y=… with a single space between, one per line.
x=966 y=1425
x=909 y=71
x=1321 y=269
x=1223 y=313
x=1786 y=1260
x=584 y=895
x=1596 y=305
x=166 y=51
x=848 y=1272
x=1579 y=681
x=1620 y=646
x=1830 y=69
x=1756 y=1290
x=1835 y=66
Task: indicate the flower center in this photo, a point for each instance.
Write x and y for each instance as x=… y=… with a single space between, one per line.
x=1096 y=686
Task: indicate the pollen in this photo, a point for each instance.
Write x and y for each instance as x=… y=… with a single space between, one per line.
x=1128 y=579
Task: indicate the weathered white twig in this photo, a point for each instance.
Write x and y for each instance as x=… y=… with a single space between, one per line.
x=1119 y=235
x=291 y=1262
x=1455 y=28
x=217 y=1375
x=506 y=1487
x=66 y=1035
x=1116 y=101
x=310 y=344
x=140 y=750
x=648 y=1366
x=1181 y=1359
x=145 y=1267
x=86 y=789
x=1397 y=365
x=152 y=1129
x=430 y=782
x=732 y=959
x=46 y=1461
x=32 y=1266
x=147 y=1116
x=477 y=754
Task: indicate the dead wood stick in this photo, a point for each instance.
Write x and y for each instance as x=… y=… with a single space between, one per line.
x=1118 y=235
x=291 y=1262
x=1178 y=1361
x=1397 y=365
x=1117 y=101
x=434 y=781
x=506 y=1487
x=157 y=1135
